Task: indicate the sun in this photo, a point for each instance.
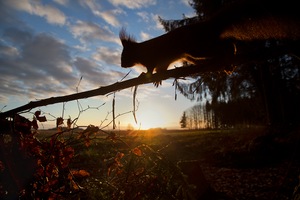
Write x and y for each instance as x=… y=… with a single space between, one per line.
x=150 y=119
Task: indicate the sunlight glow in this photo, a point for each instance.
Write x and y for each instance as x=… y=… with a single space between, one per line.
x=150 y=119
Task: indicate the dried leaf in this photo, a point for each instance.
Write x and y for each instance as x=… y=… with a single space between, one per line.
x=42 y=119
x=59 y=121
x=37 y=113
x=80 y=173
x=69 y=123
x=87 y=142
x=139 y=171
x=34 y=124
x=83 y=173
x=137 y=151
x=120 y=155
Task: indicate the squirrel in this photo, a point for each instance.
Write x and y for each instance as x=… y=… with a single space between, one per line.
x=244 y=21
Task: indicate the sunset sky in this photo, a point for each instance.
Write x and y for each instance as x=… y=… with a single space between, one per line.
x=47 y=46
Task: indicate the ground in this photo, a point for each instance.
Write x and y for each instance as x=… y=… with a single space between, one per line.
x=239 y=164
x=244 y=164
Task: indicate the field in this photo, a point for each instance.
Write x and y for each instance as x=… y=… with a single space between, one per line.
x=166 y=164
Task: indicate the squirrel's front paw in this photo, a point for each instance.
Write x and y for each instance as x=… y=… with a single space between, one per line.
x=157 y=83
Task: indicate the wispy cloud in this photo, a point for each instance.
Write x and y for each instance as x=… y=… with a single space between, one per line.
x=43 y=67
x=144 y=16
x=150 y=18
x=17 y=36
x=62 y=2
x=9 y=52
x=133 y=4
x=158 y=25
x=109 y=16
x=95 y=73
x=186 y=2
x=50 y=13
x=145 y=36
x=88 y=32
x=109 y=56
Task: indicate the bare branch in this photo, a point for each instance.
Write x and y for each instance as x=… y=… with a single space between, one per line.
x=216 y=64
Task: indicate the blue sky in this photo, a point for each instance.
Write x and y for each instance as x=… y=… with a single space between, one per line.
x=47 y=46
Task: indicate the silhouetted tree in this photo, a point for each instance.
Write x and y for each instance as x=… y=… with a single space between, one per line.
x=265 y=92
x=183 y=121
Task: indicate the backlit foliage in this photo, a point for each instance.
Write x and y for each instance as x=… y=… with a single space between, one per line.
x=89 y=163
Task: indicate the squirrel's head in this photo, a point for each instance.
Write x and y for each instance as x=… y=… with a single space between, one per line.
x=128 y=53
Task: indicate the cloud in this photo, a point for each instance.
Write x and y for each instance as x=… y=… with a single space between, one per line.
x=151 y=18
x=8 y=51
x=94 y=74
x=144 y=15
x=145 y=36
x=62 y=2
x=50 y=13
x=91 y=4
x=108 y=56
x=90 y=32
x=17 y=36
x=36 y=66
x=186 y=2
x=41 y=68
x=133 y=4
x=109 y=16
x=158 y=25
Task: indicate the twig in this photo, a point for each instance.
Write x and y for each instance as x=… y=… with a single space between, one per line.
x=134 y=98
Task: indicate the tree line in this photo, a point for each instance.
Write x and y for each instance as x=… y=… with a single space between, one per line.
x=256 y=92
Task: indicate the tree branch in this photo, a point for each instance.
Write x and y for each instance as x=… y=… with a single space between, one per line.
x=215 y=64
x=142 y=79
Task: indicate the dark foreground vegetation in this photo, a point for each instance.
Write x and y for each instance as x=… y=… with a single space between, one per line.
x=155 y=164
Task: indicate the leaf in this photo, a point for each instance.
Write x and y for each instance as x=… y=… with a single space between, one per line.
x=42 y=119
x=59 y=121
x=119 y=155
x=37 y=113
x=139 y=171
x=91 y=129
x=75 y=186
x=34 y=124
x=87 y=142
x=80 y=173
x=69 y=123
x=83 y=173
x=137 y=151
x=38 y=117
x=69 y=152
x=65 y=159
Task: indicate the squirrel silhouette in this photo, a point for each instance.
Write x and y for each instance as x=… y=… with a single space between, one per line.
x=243 y=21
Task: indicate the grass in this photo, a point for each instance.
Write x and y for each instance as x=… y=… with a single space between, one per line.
x=142 y=164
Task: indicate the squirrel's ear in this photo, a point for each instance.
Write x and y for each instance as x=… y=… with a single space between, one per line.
x=124 y=42
x=125 y=38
